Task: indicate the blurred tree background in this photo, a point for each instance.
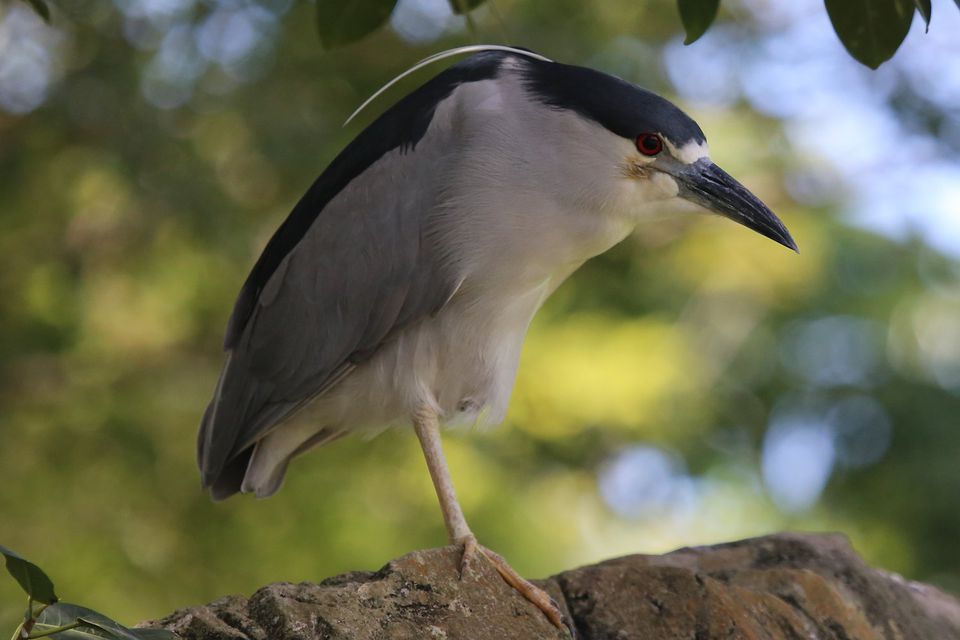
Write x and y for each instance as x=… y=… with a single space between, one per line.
x=697 y=384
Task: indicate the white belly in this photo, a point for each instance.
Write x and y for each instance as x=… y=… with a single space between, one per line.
x=462 y=362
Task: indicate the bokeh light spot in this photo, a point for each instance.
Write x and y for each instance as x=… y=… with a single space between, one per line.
x=798 y=458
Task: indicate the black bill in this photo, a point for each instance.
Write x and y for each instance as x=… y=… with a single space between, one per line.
x=711 y=187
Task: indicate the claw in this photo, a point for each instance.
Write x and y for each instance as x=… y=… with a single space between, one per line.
x=534 y=594
x=470 y=549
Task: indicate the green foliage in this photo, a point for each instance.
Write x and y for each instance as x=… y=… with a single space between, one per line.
x=87 y=624
x=461 y=7
x=341 y=22
x=30 y=577
x=871 y=30
x=924 y=8
x=60 y=619
x=697 y=16
x=41 y=7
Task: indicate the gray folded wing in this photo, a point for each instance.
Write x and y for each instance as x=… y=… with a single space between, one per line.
x=366 y=267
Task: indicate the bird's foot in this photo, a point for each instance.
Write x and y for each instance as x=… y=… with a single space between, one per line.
x=540 y=598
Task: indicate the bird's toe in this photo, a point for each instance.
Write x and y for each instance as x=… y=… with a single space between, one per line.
x=470 y=550
x=531 y=592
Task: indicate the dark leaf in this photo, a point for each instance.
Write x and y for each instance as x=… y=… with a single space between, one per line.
x=871 y=30
x=465 y=6
x=697 y=16
x=341 y=22
x=41 y=8
x=923 y=6
x=94 y=625
x=77 y=633
x=154 y=634
x=31 y=577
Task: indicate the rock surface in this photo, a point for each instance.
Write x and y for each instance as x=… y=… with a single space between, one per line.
x=781 y=587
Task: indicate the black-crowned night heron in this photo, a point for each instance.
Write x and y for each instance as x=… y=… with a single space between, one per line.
x=401 y=286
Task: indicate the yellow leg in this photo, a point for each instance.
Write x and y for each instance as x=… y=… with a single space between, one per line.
x=427 y=426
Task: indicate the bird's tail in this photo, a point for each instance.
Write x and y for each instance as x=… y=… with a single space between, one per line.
x=238 y=447
x=223 y=449
x=267 y=466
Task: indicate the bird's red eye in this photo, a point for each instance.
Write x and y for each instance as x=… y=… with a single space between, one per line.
x=649 y=144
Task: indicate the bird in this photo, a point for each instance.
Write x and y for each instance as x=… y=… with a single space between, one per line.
x=399 y=290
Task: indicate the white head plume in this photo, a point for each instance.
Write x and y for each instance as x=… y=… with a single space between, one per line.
x=449 y=53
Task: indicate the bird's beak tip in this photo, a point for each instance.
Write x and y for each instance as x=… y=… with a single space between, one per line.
x=789 y=242
x=779 y=234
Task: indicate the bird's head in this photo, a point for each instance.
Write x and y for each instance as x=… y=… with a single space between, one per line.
x=655 y=147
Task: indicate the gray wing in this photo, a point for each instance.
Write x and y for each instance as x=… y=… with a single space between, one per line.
x=365 y=268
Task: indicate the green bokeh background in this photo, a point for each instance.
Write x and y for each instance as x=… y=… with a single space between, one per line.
x=127 y=230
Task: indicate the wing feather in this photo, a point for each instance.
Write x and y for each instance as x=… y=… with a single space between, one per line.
x=361 y=273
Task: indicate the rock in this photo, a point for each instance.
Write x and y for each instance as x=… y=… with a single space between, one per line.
x=780 y=587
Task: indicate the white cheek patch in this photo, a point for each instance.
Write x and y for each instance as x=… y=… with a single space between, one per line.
x=657 y=187
x=690 y=152
x=665 y=186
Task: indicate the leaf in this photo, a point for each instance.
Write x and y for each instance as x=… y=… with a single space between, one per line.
x=871 y=30
x=31 y=577
x=63 y=613
x=461 y=7
x=924 y=9
x=697 y=16
x=341 y=22
x=154 y=634
x=95 y=625
x=41 y=9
